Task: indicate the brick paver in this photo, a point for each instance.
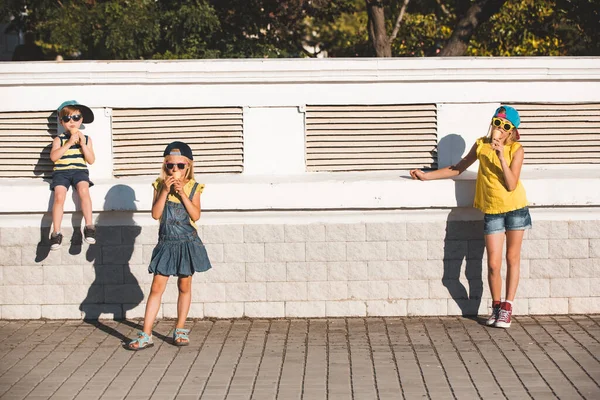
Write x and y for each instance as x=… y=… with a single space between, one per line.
x=338 y=358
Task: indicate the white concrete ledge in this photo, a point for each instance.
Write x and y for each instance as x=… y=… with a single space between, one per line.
x=319 y=191
x=433 y=69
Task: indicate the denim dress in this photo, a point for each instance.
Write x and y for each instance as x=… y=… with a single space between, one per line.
x=179 y=251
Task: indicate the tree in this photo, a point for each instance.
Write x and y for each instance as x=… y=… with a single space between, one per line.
x=377 y=27
x=144 y=29
x=488 y=27
x=479 y=12
x=187 y=28
x=273 y=28
x=118 y=29
x=579 y=26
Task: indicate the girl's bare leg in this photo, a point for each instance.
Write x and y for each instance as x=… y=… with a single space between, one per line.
x=514 y=240
x=493 y=246
x=184 y=284
x=159 y=283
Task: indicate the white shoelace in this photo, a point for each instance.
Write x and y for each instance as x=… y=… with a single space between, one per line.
x=504 y=315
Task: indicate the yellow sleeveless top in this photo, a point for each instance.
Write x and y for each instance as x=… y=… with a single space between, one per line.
x=187 y=189
x=491 y=196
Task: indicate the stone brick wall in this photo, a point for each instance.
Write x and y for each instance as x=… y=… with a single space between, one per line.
x=294 y=270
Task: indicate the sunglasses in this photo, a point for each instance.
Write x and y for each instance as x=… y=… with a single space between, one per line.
x=506 y=126
x=179 y=165
x=74 y=117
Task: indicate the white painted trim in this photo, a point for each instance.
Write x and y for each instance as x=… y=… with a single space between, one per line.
x=115 y=218
x=319 y=191
x=436 y=69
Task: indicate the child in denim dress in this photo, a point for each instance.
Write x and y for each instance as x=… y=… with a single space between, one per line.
x=500 y=195
x=179 y=251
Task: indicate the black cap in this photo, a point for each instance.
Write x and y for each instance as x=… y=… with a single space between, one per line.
x=183 y=148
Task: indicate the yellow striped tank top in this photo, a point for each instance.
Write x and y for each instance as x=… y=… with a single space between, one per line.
x=73 y=158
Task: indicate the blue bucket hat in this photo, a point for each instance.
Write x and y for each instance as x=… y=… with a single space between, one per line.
x=88 y=115
x=510 y=114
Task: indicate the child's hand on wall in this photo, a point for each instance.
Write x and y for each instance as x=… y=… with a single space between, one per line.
x=417 y=174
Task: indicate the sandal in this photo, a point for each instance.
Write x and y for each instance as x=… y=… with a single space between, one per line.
x=180 y=337
x=143 y=342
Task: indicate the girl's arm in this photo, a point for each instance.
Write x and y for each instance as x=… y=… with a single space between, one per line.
x=447 y=172
x=160 y=197
x=192 y=206
x=87 y=149
x=511 y=172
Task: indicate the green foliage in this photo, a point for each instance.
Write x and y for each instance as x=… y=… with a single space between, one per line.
x=522 y=28
x=185 y=25
x=190 y=29
x=270 y=28
x=118 y=29
x=579 y=26
x=420 y=35
x=346 y=35
x=525 y=27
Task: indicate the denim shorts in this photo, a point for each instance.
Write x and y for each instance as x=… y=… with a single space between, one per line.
x=70 y=177
x=516 y=220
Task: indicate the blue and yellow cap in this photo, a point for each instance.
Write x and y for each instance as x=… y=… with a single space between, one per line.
x=510 y=114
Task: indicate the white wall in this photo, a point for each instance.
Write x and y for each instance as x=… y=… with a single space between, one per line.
x=274 y=140
x=274 y=94
x=286 y=242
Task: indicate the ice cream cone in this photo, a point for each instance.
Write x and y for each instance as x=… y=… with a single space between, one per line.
x=73 y=132
x=177 y=175
x=496 y=135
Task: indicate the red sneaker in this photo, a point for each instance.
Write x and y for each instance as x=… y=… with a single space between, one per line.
x=495 y=313
x=503 y=320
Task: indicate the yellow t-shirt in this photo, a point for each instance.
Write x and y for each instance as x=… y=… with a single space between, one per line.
x=187 y=189
x=491 y=196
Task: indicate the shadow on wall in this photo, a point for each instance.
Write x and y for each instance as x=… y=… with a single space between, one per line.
x=43 y=169
x=115 y=290
x=463 y=246
x=463 y=242
x=76 y=241
x=44 y=165
x=451 y=149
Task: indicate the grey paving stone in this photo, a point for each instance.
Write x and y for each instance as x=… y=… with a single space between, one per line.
x=18 y=364
x=196 y=380
x=336 y=358
x=224 y=369
x=242 y=384
x=339 y=367
x=269 y=372
x=292 y=370
x=317 y=365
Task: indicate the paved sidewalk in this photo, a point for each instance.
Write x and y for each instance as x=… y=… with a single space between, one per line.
x=353 y=358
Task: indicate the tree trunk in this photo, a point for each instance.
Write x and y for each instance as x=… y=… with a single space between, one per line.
x=477 y=14
x=377 y=34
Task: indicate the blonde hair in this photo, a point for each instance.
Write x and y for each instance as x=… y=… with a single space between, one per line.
x=509 y=140
x=188 y=176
